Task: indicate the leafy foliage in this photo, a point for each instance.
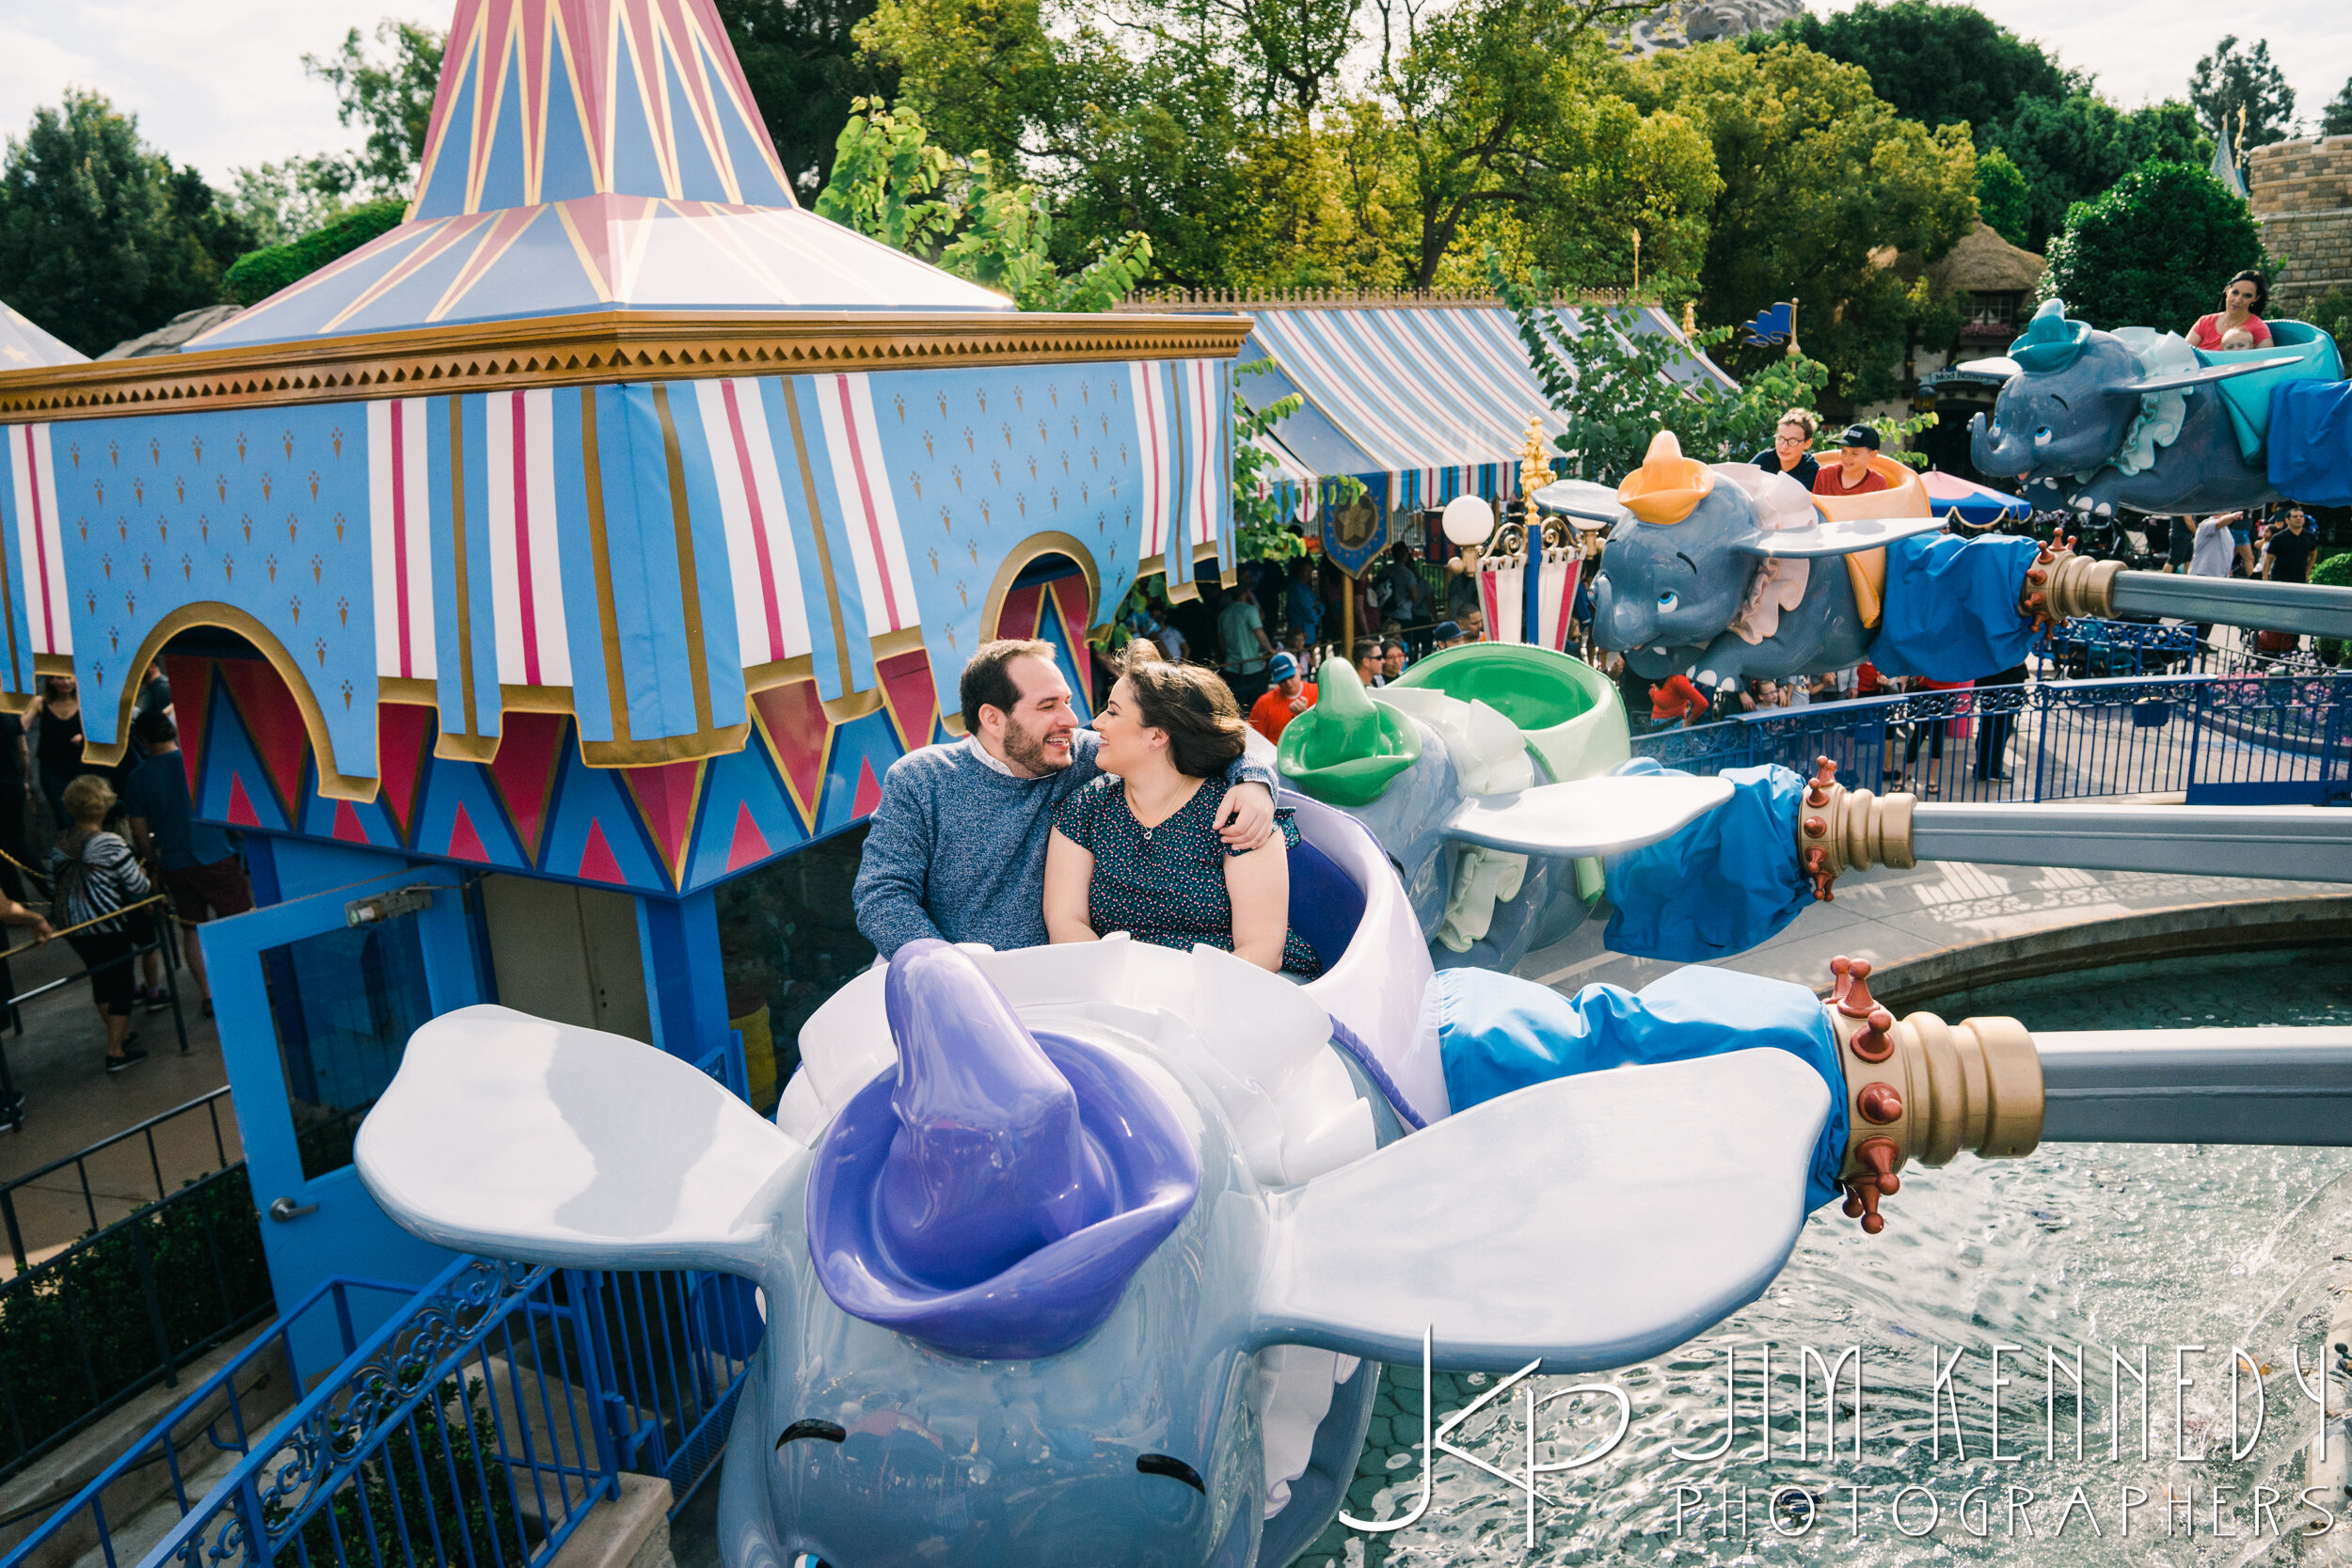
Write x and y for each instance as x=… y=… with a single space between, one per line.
x=75 y=1332
x=2072 y=149
x=2331 y=312
x=1262 y=531
x=1615 y=387
x=392 y=96
x=800 y=59
x=100 y=237
x=1937 y=64
x=891 y=181
x=2003 y=198
x=2153 y=250
x=1817 y=173
x=260 y=273
x=2228 y=80
x=2336 y=118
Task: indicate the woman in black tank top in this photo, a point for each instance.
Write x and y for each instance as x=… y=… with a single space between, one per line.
x=58 y=747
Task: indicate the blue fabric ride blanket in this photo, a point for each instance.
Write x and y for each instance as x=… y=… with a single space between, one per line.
x=1951 y=606
x=1497 y=1033
x=2310 y=441
x=1721 y=885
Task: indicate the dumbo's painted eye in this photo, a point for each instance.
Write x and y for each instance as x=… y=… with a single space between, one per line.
x=1667 y=600
x=2041 y=436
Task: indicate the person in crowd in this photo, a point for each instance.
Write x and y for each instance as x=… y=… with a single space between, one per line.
x=2243 y=299
x=55 y=721
x=1241 y=635
x=1171 y=639
x=1392 y=661
x=1137 y=852
x=14 y=841
x=1792 y=451
x=1473 y=625
x=2213 y=545
x=1995 y=725
x=95 y=875
x=1852 y=475
x=1930 y=732
x=1675 y=700
x=1448 y=634
x=1403 y=595
x=956 y=849
x=1288 y=695
x=2181 y=546
x=2287 y=553
x=199 y=865
x=1461 y=593
x=1367 y=655
x=1303 y=599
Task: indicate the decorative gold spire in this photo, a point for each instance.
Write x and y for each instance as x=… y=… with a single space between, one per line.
x=1534 y=467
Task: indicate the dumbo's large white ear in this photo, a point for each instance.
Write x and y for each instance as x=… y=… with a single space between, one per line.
x=1591 y=1222
x=506 y=1134
x=2211 y=373
x=1842 y=537
x=1587 y=816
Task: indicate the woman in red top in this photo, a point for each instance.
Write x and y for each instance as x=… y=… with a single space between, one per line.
x=2242 y=304
x=1852 y=475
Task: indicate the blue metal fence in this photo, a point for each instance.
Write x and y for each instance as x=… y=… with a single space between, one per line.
x=2277 y=739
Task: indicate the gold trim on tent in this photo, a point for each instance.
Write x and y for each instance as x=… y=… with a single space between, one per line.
x=606 y=347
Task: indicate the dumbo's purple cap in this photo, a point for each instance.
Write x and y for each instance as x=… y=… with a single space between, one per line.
x=992 y=1196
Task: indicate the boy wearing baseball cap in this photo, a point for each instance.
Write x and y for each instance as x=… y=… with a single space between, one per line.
x=1286 y=697
x=1852 y=475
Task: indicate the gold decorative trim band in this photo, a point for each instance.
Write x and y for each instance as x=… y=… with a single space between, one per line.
x=607 y=347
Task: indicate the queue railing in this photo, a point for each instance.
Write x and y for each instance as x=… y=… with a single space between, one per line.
x=2254 y=740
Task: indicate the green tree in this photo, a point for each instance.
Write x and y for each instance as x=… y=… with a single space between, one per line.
x=890 y=180
x=283 y=200
x=1937 y=64
x=392 y=96
x=2152 y=251
x=2003 y=198
x=2070 y=149
x=2336 y=118
x=100 y=237
x=2230 y=80
x=800 y=60
x=1818 y=174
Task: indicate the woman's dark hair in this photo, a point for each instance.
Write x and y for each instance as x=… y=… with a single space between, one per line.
x=2262 y=290
x=1197 y=712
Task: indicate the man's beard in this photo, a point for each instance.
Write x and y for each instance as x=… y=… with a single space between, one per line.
x=1028 y=750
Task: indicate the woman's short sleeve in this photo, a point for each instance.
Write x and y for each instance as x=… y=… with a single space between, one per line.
x=1075 y=818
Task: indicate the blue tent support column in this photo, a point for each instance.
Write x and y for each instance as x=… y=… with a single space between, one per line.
x=687 y=989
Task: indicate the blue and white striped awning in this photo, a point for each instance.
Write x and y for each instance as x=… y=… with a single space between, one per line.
x=1422 y=403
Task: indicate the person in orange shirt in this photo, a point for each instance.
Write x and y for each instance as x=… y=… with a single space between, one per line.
x=1852 y=475
x=1677 y=699
x=1285 y=698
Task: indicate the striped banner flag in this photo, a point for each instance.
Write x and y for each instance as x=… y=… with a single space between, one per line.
x=1156 y=436
x=40 y=540
x=1503 y=593
x=885 y=583
x=770 y=611
x=1555 y=598
x=400 y=530
x=526 y=580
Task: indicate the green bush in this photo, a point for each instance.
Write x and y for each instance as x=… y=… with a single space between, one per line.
x=76 y=1334
x=437 y=1483
x=260 y=273
x=2334 y=572
x=2153 y=249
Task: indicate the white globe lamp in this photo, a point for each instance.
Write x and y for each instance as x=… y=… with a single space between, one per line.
x=1469 y=520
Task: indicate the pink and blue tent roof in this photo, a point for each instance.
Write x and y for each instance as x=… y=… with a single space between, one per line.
x=1978 y=505
x=23 y=345
x=1421 y=401
x=593 y=155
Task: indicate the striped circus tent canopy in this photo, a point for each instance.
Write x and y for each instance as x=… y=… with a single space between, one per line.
x=589 y=156
x=22 y=344
x=1420 y=402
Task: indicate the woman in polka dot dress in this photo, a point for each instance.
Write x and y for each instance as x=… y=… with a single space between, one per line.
x=1138 y=850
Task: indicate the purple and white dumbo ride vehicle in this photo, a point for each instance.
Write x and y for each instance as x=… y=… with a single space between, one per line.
x=2138 y=420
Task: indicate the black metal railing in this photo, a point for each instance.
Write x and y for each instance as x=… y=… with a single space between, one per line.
x=125 y=1308
x=79 y=1162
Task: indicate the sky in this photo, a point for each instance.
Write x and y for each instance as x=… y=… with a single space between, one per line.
x=219 y=82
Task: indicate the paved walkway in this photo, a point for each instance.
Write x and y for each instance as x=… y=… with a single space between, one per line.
x=1889 y=915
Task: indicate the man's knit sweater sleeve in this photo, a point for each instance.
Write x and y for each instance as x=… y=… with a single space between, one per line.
x=895 y=869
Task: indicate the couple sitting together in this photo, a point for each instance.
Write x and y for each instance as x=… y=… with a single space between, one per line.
x=1030 y=830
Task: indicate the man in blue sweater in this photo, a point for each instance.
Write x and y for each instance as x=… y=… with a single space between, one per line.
x=958 y=844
